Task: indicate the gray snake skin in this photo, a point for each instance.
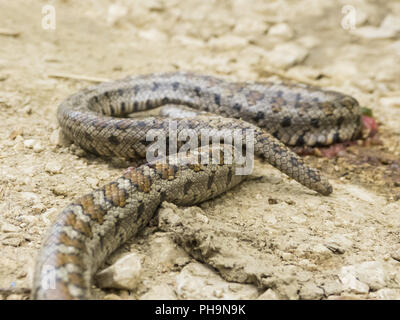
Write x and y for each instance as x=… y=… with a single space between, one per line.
x=93 y=226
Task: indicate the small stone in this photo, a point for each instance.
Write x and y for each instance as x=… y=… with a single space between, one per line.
x=197 y=281
x=54 y=137
x=29 y=198
x=309 y=42
x=103 y=175
x=15 y=133
x=29 y=219
x=27 y=110
x=115 y=13
x=303 y=73
x=350 y=282
x=29 y=143
x=332 y=287
x=335 y=248
x=345 y=69
x=321 y=250
x=13 y=241
x=250 y=27
x=123 y=274
x=366 y=85
x=361 y=18
x=126 y=295
x=29 y=171
x=298 y=219
x=272 y=201
x=385 y=74
x=8 y=227
x=369 y=32
x=50 y=215
x=227 y=42
x=188 y=41
x=268 y=295
x=53 y=167
x=19 y=144
x=201 y=217
x=306 y=264
x=396 y=255
x=338 y=243
x=37 y=147
x=38 y=208
x=286 y=256
x=391 y=22
x=309 y=291
x=93 y=182
x=164 y=252
x=281 y=31
x=390 y=102
x=153 y=35
x=60 y=190
x=372 y=273
x=60 y=138
x=252 y=54
x=387 y=294
x=286 y=55
x=160 y=292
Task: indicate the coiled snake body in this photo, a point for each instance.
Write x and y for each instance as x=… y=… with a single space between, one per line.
x=93 y=226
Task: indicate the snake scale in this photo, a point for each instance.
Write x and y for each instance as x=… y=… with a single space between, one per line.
x=96 y=119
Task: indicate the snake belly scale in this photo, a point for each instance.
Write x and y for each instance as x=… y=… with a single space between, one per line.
x=93 y=226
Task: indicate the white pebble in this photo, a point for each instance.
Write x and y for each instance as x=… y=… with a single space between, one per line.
x=389 y=28
x=29 y=219
x=286 y=55
x=227 y=42
x=153 y=35
x=371 y=274
x=29 y=198
x=391 y=22
x=250 y=27
x=281 y=31
x=37 y=147
x=387 y=294
x=93 y=182
x=115 y=13
x=159 y=292
x=268 y=295
x=197 y=281
x=53 y=167
x=49 y=216
x=55 y=137
x=29 y=143
x=27 y=109
x=350 y=283
x=123 y=274
x=188 y=41
x=8 y=227
x=390 y=101
x=309 y=42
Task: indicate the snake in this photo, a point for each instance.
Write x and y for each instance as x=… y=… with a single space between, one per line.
x=99 y=120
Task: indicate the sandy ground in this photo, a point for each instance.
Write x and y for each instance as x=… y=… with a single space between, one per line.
x=269 y=238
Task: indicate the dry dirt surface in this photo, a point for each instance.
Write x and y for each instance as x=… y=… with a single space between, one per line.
x=269 y=238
